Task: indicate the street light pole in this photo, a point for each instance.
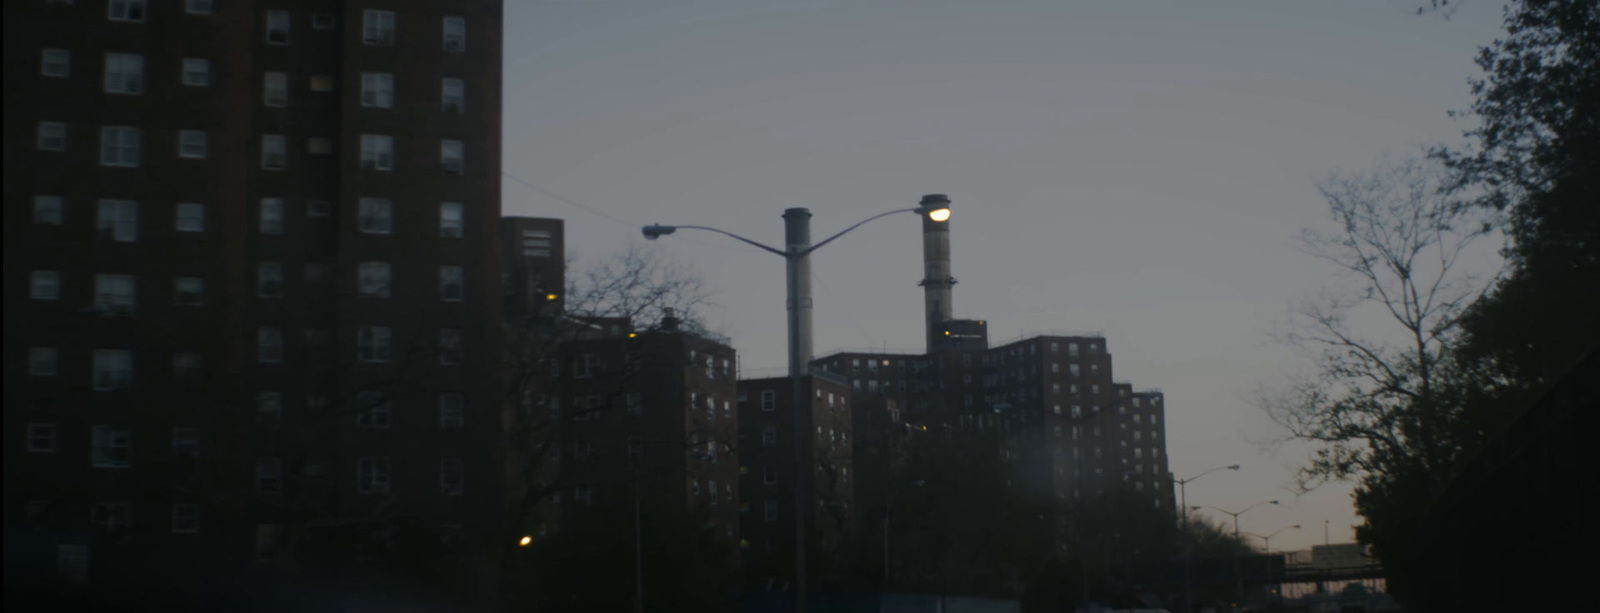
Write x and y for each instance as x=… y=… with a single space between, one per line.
x=1267 y=542
x=1238 y=575
x=797 y=248
x=1188 y=558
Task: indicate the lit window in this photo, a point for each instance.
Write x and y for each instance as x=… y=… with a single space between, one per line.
x=269 y=345
x=42 y=361
x=277 y=27
x=196 y=72
x=114 y=293
x=377 y=215
x=125 y=10
x=377 y=152
x=52 y=136
x=452 y=478
x=185 y=517
x=274 y=151
x=451 y=282
x=42 y=438
x=377 y=27
x=269 y=279
x=377 y=90
x=372 y=475
x=111 y=447
x=55 y=63
x=373 y=344
x=124 y=73
x=453 y=95
x=188 y=291
x=48 y=210
x=275 y=89
x=450 y=346
x=452 y=156
x=374 y=279
x=452 y=411
x=192 y=144
x=455 y=34
x=272 y=216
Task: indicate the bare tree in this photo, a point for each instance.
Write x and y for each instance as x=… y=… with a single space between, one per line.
x=1381 y=400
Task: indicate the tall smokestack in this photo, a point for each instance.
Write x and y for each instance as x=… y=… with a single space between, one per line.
x=936 y=279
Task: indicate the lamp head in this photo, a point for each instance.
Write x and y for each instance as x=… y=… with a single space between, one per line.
x=656 y=231
x=935 y=206
x=1234 y=467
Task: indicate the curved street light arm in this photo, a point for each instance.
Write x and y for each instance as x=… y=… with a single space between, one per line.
x=1228 y=467
x=846 y=230
x=736 y=237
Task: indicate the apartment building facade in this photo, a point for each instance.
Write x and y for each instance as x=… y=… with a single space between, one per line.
x=250 y=275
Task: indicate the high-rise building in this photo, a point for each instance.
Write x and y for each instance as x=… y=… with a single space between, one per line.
x=251 y=281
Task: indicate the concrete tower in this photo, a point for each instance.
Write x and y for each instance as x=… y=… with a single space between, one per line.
x=936 y=279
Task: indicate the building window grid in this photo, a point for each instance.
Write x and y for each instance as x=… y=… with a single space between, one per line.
x=119 y=146
x=196 y=72
x=455 y=34
x=275 y=89
x=277 y=27
x=124 y=73
x=126 y=10
x=377 y=90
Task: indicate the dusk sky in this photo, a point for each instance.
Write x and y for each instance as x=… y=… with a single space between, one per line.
x=1133 y=168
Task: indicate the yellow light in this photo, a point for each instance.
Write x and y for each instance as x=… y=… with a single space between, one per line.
x=550 y=297
x=924 y=427
x=633 y=335
x=939 y=215
x=947 y=333
x=525 y=540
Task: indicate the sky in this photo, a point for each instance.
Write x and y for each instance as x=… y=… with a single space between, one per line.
x=1137 y=169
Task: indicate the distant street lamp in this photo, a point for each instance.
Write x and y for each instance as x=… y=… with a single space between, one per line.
x=797 y=252
x=1237 y=574
x=1267 y=543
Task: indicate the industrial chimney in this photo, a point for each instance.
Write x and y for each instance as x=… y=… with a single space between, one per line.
x=936 y=279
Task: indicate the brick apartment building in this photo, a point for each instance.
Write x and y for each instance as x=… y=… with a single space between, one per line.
x=250 y=276
x=767 y=470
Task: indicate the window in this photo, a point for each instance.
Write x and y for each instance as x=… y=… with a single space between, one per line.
x=45 y=285
x=192 y=144
x=197 y=7
x=450 y=346
x=769 y=437
x=125 y=10
x=323 y=21
x=124 y=73
x=48 y=210
x=196 y=72
x=185 y=517
x=277 y=27
x=452 y=480
x=269 y=475
x=452 y=156
x=111 y=447
x=272 y=216
x=770 y=511
x=377 y=27
x=269 y=279
x=55 y=63
x=377 y=215
x=455 y=34
x=190 y=217
x=275 y=89
x=319 y=145
x=52 y=136
x=188 y=291
x=453 y=95
x=377 y=152
x=269 y=345
x=111 y=516
x=113 y=369
x=118 y=220
x=185 y=365
x=452 y=411
x=42 y=361
x=42 y=438
x=377 y=90
x=374 y=279
x=375 y=413
x=274 y=151
x=451 y=220
x=268 y=538
x=114 y=293
x=319 y=208
x=583 y=450
x=769 y=474
x=451 y=280
x=769 y=400
x=185 y=442
x=373 y=343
